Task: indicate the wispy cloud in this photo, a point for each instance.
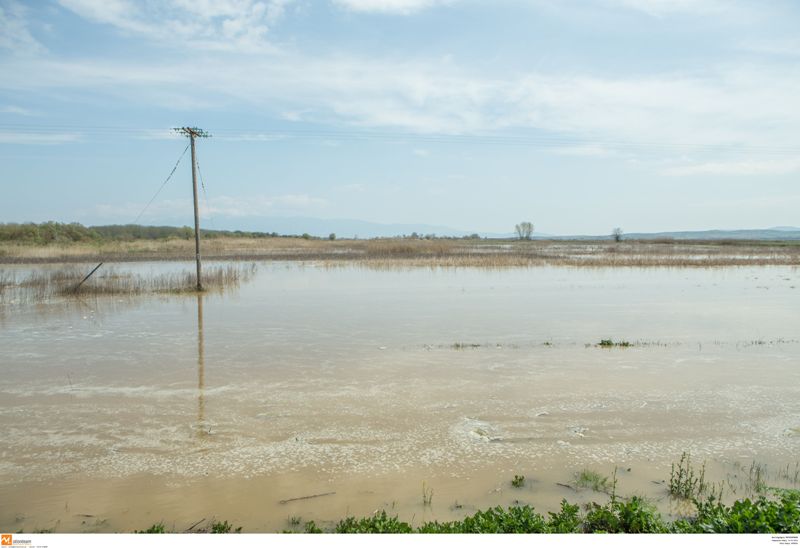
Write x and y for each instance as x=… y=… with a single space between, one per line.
x=660 y=8
x=224 y=25
x=728 y=104
x=26 y=138
x=396 y=7
x=19 y=111
x=222 y=206
x=15 y=34
x=761 y=166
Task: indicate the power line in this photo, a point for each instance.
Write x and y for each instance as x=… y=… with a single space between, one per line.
x=205 y=195
x=171 y=173
x=536 y=141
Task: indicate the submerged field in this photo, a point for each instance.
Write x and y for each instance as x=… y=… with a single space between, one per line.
x=393 y=252
x=424 y=392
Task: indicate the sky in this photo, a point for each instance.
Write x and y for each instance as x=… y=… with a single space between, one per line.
x=577 y=115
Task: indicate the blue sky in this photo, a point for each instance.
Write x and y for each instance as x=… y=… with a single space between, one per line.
x=577 y=115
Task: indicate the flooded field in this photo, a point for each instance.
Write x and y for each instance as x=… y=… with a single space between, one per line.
x=314 y=392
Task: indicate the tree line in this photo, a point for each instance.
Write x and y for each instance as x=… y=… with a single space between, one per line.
x=53 y=232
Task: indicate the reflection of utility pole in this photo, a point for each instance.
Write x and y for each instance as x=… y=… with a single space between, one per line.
x=193 y=132
x=201 y=368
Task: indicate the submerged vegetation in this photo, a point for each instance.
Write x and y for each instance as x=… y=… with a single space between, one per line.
x=610 y=343
x=43 y=284
x=589 y=479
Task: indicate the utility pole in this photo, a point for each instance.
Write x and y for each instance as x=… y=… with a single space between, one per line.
x=193 y=132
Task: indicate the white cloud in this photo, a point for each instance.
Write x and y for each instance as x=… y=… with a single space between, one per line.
x=19 y=111
x=28 y=138
x=773 y=46
x=760 y=166
x=15 y=35
x=725 y=106
x=353 y=187
x=401 y=7
x=728 y=105
x=223 y=25
x=660 y=8
x=252 y=206
x=222 y=206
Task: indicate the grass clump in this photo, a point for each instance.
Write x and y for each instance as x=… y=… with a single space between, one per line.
x=222 y=528
x=518 y=481
x=47 y=283
x=610 y=343
x=589 y=479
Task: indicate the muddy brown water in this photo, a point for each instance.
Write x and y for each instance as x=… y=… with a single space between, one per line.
x=367 y=387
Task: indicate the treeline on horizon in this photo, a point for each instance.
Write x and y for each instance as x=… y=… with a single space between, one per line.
x=53 y=232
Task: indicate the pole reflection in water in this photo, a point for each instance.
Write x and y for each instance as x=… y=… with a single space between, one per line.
x=202 y=431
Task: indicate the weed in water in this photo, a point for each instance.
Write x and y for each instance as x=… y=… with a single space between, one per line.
x=757 y=478
x=609 y=343
x=590 y=479
x=518 y=481
x=790 y=474
x=684 y=482
x=427 y=495
x=223 y=527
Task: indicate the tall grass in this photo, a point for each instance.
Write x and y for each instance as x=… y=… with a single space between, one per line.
x=43 y=284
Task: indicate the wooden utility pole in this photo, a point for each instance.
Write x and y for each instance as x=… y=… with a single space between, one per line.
x=193 y=132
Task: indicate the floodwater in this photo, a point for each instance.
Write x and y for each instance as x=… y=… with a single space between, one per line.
x=369 y=387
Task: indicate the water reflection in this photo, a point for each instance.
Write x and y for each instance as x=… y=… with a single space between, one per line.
x=201 y=371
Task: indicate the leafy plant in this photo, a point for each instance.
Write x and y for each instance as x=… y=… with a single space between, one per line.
x=155 y=529
x=683 y=482
x=518 y=481
x=223 y=527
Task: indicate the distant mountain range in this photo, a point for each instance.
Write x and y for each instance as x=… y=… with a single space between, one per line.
x=349 y=228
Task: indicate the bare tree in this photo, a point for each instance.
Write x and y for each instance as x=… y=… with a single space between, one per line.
x=617 y=234
x=524 y=230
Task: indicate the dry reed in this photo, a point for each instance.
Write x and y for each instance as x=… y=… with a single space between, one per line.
x=429 y=253
x=44 y=284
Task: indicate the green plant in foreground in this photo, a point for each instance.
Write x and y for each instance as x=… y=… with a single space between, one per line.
x=223 y=527
x=518 y=481
x=156 y=528
x=632 y=516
